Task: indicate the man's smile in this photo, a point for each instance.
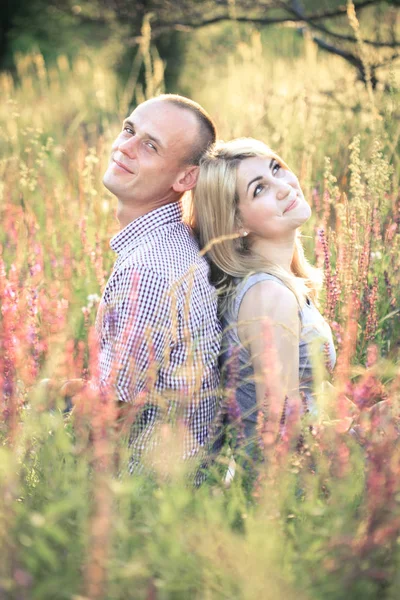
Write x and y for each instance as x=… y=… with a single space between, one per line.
x=122 y=166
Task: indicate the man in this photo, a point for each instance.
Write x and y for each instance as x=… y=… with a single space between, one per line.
x=157 y=321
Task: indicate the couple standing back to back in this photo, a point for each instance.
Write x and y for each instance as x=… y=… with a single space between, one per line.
x=159 y=323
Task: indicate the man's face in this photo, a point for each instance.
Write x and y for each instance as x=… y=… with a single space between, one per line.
x=147 y=163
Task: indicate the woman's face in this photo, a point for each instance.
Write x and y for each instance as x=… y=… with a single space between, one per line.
x=271 y=203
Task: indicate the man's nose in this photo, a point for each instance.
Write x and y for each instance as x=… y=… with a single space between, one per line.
x=129 y=146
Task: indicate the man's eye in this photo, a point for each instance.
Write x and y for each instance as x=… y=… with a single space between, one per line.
x=151 y=146
x=128 y=129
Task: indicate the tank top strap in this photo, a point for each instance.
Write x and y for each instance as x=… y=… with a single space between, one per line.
x=245 y=284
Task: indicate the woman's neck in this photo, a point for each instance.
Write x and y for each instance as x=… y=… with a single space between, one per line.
x=279 y=253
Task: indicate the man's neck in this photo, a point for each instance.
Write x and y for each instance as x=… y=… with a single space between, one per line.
x=128 y=213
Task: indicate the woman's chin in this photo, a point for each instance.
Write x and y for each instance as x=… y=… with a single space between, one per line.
x=305 y=213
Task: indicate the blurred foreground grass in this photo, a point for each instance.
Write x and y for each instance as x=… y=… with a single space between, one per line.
x=323 y=522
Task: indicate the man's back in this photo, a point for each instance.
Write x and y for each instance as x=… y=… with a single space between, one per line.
x=158 y=325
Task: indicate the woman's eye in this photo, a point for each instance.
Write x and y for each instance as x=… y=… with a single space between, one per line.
x=258 y=189
x=276 y=168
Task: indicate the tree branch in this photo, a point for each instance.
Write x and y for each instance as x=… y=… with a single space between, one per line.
x=188 y=26
x=346 y=38
x=161 y=27
x=342 y=10
x=388 y=60
x=351 y=58
x=355 y=61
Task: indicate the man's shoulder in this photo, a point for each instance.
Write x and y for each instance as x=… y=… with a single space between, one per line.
x=170 y=254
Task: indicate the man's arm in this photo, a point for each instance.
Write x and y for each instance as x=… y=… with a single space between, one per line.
x=136 y=332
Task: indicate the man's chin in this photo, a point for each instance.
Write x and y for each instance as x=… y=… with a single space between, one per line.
x=109 y=183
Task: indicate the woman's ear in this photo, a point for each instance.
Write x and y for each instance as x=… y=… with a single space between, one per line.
x=186 y=180
x=242 y=232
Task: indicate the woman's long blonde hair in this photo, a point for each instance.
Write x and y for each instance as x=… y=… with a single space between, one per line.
x=215 y=218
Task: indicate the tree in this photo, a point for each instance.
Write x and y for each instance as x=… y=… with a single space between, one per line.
x=334 y=29
x=333 y=25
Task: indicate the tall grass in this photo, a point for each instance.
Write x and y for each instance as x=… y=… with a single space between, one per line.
x=322 y=521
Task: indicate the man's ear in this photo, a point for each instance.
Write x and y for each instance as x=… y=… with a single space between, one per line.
x=186 y=180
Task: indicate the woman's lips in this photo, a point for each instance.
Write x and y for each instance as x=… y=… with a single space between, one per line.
x=290 y=206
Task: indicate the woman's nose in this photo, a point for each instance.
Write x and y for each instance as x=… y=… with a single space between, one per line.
x=283 y=191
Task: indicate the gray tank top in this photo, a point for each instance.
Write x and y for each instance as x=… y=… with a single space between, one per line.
x=236 y=364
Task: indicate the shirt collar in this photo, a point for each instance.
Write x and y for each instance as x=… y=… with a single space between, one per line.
x=132 y=235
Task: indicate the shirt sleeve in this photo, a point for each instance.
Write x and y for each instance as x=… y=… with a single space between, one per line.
x=137 y=332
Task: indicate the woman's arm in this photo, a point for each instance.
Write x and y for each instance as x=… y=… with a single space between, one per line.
x=269 y=306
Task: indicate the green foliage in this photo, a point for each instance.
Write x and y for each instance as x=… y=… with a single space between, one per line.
x=318 y=522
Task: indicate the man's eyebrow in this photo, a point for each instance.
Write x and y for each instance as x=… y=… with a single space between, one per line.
x=253 y=180
x=146 y=135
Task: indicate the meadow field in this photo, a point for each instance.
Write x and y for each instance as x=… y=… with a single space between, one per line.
x=320 y=523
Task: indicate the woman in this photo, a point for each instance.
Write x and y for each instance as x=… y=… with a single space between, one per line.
x=247 y=210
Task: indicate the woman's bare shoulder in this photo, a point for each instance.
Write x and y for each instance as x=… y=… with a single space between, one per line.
x=268 y=298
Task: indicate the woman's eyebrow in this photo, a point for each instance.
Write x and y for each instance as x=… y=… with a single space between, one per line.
x=253 y=180
x=271 y=164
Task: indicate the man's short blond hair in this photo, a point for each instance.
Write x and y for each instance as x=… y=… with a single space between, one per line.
x=207 y=129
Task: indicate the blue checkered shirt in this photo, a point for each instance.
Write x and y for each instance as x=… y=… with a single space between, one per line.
x=158 y=327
